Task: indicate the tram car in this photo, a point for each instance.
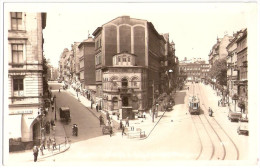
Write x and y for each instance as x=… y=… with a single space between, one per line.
x=194 y=105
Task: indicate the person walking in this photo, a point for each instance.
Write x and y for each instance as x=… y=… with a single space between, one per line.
x=96 y=106
x=48 y=144
x=110 y=130
x=54 y=144
x=127 y=122
x=144 y=115
x=35 y=153
x=101 y=120
x=120 y=124
x=118 y=115
x=43 y=142
x=112 y=123
x=41 y=148
x=123 y=130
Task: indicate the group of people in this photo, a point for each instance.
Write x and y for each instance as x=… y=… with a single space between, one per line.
x=51 y=143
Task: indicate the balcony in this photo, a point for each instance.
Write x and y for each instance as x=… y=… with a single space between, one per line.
x=125 y=90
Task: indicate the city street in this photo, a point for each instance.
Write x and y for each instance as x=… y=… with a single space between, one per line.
x=87 y=123
x=176 y=136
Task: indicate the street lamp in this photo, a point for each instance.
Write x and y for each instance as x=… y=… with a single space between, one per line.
x=54 y=97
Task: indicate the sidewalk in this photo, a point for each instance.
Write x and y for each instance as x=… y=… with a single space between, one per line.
x=58 y=132
x=139 y=124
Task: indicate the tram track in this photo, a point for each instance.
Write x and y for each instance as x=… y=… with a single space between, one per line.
x=222 y=135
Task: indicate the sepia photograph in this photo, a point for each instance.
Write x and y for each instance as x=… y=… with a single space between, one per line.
x=143 y=84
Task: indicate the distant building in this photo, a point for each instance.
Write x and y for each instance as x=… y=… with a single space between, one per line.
x=194 y=70
x=25 y=78
x=87 y=64
x=219 y=50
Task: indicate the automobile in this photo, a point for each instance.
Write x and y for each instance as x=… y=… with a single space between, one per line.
x=243 y=129
x=65 y=114
x=234 y=116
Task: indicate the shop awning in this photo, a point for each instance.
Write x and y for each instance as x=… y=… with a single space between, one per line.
x=15 y=126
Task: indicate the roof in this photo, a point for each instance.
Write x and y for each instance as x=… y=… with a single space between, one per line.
x=89 y=40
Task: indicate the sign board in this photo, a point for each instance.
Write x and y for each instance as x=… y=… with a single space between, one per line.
x=22 y=111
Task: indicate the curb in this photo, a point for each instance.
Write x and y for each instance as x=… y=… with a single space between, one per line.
x=44 y=157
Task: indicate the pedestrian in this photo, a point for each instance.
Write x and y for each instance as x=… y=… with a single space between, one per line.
x=112 y=124
x=120 y=124
x=96 y=107
x=107 y=116
x=118 y=115
x=52 y=107
x=91 y=104
x=35 y=153
x=127 y=122
x=123 y=130
x=100 y=120
x=41 y=148
x=54 y=144
x=43 y=142
x=144 y=115
x=107 y=123
x=110 y=130
x=48 y=143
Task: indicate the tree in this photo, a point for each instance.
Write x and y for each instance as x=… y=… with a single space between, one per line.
x=219 y=71
x=44 y=80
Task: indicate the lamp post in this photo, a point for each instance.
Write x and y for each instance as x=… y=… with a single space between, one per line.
x=54 y=97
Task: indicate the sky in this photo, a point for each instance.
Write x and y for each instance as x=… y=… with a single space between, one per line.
x=194 y=27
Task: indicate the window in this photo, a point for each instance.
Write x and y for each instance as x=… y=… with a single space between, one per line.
x=119 y=59
x=16 y=20
x=18 y=86
x=128 y=59
x=124 y=59
x=17 y=53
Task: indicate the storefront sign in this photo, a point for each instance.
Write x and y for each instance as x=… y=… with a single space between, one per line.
x=22 y=111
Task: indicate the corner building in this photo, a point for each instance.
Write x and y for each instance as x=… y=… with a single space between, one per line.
x=25 y=77
x=137 y=39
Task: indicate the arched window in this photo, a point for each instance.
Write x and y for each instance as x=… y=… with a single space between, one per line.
x=115 y=103
x=124 y=82
x=134 y=82
x=114 y=83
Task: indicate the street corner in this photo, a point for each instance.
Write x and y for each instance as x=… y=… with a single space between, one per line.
x=48 y=153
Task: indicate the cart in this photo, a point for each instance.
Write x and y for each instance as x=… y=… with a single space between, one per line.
x=105 y=129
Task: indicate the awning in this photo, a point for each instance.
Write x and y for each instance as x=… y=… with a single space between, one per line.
x=15 y=126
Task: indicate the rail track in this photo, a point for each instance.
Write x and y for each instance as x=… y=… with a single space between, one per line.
x=218 y=145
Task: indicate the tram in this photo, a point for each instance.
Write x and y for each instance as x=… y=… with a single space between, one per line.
x=194 y=105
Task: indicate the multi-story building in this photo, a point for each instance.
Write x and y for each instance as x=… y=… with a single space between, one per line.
x=64 y=65
x=219 y=50
x=75 y=62
x=25 y=77
x=242 y=82
x=87 y=64
x=129 y=36
x=232 y=75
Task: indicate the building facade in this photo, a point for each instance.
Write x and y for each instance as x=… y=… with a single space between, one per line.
x=135 y=37
x=194 y=71
x=87 y=64
x=242 y=82
x=25 y=76
x=219 y=50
